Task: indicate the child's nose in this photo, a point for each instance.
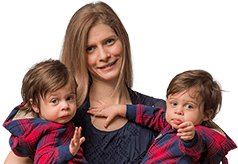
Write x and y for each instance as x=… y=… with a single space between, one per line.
x=179 y=110
x=65 y=106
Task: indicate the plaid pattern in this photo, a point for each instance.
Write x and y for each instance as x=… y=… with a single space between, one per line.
x=43 y=141
x=207 y=146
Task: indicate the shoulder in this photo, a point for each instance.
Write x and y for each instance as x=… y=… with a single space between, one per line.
x=215 y=141
x=139 y=98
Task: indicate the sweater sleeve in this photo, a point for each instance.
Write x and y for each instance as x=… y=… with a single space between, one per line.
x=217 y=146
x=53 y=147
x=209 y=145
x=147 y=116
x=195 y=147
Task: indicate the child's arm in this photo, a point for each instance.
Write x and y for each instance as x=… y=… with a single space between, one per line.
x=51 y=150
x=147 y=116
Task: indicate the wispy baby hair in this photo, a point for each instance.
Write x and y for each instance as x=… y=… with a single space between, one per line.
x=207 y=88
x=44 y=77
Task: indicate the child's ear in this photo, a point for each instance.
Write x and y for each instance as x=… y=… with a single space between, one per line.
x=208 y=114
x=34 y=106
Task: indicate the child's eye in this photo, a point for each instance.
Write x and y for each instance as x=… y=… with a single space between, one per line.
x=55 y=101
x=70 y=98
x=189 y=106
x=174 y=104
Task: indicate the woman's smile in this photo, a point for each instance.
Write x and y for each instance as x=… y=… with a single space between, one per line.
x=109 y=66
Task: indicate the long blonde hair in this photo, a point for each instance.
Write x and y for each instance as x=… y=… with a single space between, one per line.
x=74 y=49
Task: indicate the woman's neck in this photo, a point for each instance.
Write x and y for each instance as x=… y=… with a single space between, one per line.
x=108 y=93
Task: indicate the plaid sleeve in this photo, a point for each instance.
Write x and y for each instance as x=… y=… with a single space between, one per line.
x=210 y=145
x=23 y=140
x=147 y=116
x=217 y=145
x=54 y=147
x=195 y=147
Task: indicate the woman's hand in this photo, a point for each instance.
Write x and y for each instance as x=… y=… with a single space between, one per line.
x=76 y=141
x=186 y=131
x=108 y=111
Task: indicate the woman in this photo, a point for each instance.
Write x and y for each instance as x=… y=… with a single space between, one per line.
x=97 y=50
x=103 y=69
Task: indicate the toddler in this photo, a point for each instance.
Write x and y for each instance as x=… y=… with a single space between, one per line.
x=41 y=128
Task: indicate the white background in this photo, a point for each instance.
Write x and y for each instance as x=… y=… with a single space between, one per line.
x=167 y=37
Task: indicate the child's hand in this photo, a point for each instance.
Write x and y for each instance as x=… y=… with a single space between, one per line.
x=186 y=131
x=108 y=111
x=76 y=141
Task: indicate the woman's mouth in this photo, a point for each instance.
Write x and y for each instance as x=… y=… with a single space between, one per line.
x=109 y=66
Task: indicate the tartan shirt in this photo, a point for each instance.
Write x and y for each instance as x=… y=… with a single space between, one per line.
x=41 y=140
x=207 y=146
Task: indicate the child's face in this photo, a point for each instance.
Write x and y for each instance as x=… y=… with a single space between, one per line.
x=185 y=106
x=58 y=106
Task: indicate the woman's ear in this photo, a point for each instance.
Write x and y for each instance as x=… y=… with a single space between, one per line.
x=208 y=115
x=34 y=106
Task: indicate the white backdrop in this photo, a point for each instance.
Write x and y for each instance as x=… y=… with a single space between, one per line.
x=167 y=37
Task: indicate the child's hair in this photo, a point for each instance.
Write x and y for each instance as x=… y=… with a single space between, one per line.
x=44 y=77
x=207 y=88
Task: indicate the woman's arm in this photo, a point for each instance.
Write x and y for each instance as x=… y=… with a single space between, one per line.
x=12 y=158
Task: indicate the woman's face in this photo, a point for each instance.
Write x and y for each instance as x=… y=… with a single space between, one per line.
x=104 y=53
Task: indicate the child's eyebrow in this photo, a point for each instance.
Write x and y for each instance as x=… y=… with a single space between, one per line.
x=192 y=102
x=71 y=93
x=50 y=95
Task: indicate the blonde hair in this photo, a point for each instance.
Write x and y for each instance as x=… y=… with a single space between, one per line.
x=75 y=43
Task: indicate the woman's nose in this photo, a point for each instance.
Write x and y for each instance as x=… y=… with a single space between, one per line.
x=103 y=54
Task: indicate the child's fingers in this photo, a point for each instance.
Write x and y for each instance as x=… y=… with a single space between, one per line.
x=184 y=124
x=93 y=110
x=101 y=102
x=185 y=127
x=76 y=133
x=108 y=121
x=81 y=140
x=186 y=131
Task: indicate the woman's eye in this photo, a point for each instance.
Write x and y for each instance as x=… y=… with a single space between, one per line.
x=89 y=49
x=174 y=104
x=55 y=101
x=110 y=41
x=189 y=106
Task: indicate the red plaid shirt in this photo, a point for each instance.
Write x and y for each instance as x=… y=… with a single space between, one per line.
x=43 y=141
x=207 y=146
